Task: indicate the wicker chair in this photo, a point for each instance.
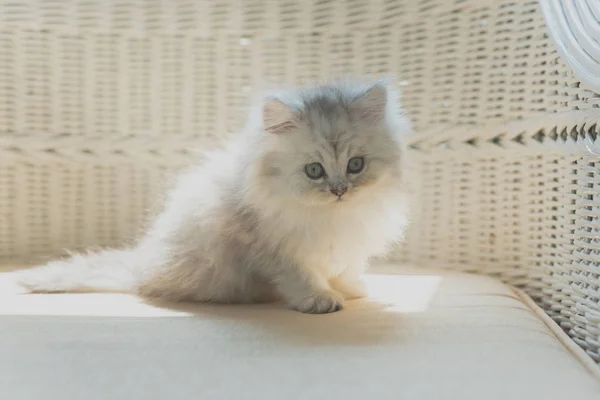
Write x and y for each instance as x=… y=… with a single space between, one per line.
x=510 y=189
x=100 y=101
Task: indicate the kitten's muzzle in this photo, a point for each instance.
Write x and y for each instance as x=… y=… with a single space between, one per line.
x=339 y=190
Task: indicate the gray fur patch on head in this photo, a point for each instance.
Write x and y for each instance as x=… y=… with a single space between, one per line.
x=330 y=124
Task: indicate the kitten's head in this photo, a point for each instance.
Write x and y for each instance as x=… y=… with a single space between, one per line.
x=331 y=144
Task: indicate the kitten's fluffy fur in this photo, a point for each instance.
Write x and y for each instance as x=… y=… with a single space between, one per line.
x=248 y=225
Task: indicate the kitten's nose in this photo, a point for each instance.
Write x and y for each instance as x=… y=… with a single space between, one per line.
x=339 y=191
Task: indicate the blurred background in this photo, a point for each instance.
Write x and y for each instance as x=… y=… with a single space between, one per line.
x=99 y=99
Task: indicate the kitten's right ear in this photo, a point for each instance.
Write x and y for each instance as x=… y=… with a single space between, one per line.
x=277 y=117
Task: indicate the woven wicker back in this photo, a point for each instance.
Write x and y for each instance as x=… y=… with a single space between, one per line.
x=99 y=100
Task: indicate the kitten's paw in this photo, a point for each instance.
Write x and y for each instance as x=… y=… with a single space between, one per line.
x=321 y=303
x=350 y=288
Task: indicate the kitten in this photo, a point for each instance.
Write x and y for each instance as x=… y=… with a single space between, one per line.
x=292 y=209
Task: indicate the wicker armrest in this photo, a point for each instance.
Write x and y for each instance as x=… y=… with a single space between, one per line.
x=520 y=201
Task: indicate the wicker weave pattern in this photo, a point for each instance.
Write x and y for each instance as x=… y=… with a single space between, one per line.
x=102 y=68
x=519 y=201
x=99 y=100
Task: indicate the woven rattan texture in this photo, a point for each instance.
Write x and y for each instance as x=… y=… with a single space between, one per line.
x=100 y=100
x=519 y=201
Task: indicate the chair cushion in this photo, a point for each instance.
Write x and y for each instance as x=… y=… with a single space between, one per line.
x=421 y=335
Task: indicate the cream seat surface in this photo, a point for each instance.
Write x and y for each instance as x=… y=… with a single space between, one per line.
x=420 y=335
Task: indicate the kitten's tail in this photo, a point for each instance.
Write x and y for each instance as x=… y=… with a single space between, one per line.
x=106 y=271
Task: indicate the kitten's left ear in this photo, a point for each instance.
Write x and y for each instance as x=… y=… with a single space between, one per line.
x=372 y=104
x=278 y=118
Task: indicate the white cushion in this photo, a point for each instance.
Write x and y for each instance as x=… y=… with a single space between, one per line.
x=437 y=335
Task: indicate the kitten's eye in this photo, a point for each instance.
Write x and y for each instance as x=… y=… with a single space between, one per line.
x=314 y=170
x=355 y=165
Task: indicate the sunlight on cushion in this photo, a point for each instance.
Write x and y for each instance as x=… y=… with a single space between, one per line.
x=405 y=294
x=395 y=293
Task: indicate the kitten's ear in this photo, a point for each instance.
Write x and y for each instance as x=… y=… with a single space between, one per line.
x=372 y=104
x=277 y=117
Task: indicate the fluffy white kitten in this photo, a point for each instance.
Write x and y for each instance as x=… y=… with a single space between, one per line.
x=293 y=208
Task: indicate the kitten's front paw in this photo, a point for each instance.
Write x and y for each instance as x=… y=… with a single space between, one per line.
x=321 y=303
